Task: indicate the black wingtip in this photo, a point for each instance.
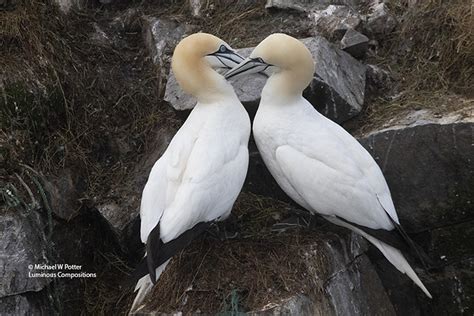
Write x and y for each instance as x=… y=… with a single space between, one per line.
x=152 y=243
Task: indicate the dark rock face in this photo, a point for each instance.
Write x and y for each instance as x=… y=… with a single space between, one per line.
x=428 y=167
x=337 y=90
x=24 y=305
x=22 y=244
x=355 y=43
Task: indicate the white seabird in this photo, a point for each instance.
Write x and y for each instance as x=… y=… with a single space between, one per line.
x=198 y=178
x=314 y=160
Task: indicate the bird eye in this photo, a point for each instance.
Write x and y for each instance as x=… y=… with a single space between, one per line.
x=223 y=49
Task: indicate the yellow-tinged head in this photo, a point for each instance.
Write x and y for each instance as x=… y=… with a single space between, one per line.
x=193 y=63
x=288 y=61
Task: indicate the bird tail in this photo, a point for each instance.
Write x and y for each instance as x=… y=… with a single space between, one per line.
x=144 y=286
x=393 y=255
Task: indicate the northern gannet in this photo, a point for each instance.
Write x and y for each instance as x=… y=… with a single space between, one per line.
x=198 y=178
x=314 y=160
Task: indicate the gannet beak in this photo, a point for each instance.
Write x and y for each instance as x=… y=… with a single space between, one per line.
x=227 y=58
x=248 y=66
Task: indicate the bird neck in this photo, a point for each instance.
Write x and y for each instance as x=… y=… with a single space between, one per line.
x=197 y=78
x=283 y=87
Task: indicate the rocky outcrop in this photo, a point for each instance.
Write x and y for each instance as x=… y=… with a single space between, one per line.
x=427 y=161
x=22 y=245
x=337 y=89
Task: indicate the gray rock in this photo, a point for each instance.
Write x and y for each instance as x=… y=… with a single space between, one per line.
x=67 y=5
x=22 y=244
x=23 y=305
x=380 y=21
x=161 y=36
x=307 y=6
x=334 y=21
x=337 y=90
x=378 y=80
x=196 y=7
x=355 y=43
x=427 y=161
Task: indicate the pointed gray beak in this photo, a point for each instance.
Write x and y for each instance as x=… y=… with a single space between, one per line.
x=248 y=66
x=228 y=59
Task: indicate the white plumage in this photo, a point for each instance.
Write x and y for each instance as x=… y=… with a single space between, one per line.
x=202 y=171
x=314 y=160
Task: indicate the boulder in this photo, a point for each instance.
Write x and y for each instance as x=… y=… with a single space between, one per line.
x=22 y=245
x=379 y=81
x=355 y=43
x=334 y=21
x=380 y=21
x=337 y=90
x=427 y=161
x=161 y=35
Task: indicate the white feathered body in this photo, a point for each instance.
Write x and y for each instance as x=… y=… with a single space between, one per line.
x=325 y=170
x=199 y=176
x=201 y=173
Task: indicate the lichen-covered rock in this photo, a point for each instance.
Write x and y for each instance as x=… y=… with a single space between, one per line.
x=161 y=35
x=334 y=21
x=380 y=21
x=355 y=43
x=427 y=161
x=22 y=245
x=337 y=89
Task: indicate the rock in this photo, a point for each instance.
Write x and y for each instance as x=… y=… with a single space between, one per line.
x=355 y=43
x=307 y=6
x=22 y=244
x=380 y=21
x=427 y=161
x=161 y=35
x=67 y=5
x=334 y=21
x=25 y=305
x=195 y=6
x=378 y=80
x=337 y=90
x=63 y=192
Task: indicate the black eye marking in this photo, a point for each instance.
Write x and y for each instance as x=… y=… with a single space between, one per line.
x=223 y=49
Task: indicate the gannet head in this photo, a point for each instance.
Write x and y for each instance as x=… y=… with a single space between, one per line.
x=282 y=56
x=194 y=61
